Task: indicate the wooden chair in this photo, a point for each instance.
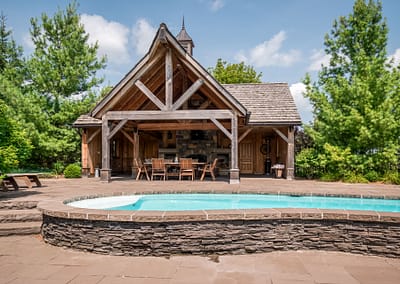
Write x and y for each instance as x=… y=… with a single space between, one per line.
x=158 y=168
x=209 y=168
x=186 y=168
x=141 y=169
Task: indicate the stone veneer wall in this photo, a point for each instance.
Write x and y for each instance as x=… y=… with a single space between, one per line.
x=187 y=146
x=222 y=236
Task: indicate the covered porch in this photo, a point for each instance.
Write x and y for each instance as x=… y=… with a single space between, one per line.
x=259 y=148
x=169 y=106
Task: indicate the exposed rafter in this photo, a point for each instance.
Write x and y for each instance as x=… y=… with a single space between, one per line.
x=150 y=95
x=188 y=93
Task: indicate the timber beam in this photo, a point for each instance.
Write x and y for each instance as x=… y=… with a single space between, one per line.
x=117 y=128
x=169 y=115
x=181 y=126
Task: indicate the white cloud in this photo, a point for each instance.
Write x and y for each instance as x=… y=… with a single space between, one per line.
x=318 y=58
x=216 y=5
x=396 y=57
x=143 y=34
x=28 y=43
x=269 y=53
x=303 y=104
x=112 y=37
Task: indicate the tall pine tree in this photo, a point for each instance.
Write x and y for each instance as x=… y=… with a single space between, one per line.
x=12 y=64
x=62 y=70
x=63 y=63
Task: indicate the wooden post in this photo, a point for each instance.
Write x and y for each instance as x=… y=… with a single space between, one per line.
x=136 y=145
x=168 y=79
x=105 y=174
x=135 y=151
x=290 y=154
x=234 y=171
x=85 y=154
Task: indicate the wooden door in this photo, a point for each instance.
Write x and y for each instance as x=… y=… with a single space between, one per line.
x=116 y=155
x=246 y=157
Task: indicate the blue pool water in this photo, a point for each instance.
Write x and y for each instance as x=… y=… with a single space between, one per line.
x=184 y=202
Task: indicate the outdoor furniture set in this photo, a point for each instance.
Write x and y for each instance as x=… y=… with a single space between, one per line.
x=164 y=168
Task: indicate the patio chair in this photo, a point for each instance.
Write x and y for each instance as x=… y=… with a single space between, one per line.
x=141 y=169
x=209 y=168
x=186 y=168
x=158 y=168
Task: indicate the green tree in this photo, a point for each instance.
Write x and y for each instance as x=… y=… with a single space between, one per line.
x=15 y=147
x=63 y=63
x=62 y=70
x=12 y=64
x=356 y=98
x=231 y=73
x=15 y=141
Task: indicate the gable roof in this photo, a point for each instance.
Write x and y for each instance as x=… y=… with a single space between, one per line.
x=267 y=103
x=87 y=121
x=264 y=104
x=153 y=59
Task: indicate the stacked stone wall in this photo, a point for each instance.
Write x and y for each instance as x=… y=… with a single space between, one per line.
x=222 y=236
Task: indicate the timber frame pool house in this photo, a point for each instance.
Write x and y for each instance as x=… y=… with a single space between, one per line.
x=169 y=106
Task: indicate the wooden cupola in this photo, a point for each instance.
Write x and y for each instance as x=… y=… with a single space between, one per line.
x=185 y=40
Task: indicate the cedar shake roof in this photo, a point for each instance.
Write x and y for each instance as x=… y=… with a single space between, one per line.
x=268 y=103
x=86 y=121
x=183 y=36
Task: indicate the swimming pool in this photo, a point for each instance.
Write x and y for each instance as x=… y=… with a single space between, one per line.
x=188 y=202
x=94 y=225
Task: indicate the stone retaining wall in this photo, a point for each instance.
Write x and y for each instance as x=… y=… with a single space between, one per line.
x=207 y=237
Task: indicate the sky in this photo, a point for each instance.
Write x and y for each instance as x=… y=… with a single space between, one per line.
x=282 y=39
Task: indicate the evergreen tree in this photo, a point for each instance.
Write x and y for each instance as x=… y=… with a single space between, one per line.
x=356 y=126
x=62 y=70
x=12 y=64
x=63 y=63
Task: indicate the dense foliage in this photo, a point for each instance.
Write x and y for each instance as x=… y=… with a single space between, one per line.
x=72 y=171
x=356 y=102
x=232 y=73
x=40 y=97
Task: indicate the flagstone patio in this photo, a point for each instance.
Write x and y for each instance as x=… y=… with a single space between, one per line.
x=27 y=259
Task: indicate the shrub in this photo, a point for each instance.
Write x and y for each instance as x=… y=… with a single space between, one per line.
x=372 y=176
x=58 y=168
x=307 y=163
x=8 y=158
x=329 y=177
x=73 y=171
x=354 y=178
x=391 y=177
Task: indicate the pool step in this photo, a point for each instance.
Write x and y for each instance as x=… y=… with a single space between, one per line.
x=23 y=228
x=19 y=218
x=17 y=205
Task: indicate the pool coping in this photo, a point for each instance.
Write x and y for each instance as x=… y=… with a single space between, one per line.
x=59 y=208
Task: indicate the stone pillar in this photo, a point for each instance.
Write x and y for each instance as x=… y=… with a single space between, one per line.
x=234 y=175
x=105 y=172
x=290 y=154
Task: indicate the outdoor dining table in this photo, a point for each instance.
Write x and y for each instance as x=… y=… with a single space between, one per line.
x=174 y=165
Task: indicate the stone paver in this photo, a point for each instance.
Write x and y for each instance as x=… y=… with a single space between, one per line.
x=27 y=259
x=33 y=261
